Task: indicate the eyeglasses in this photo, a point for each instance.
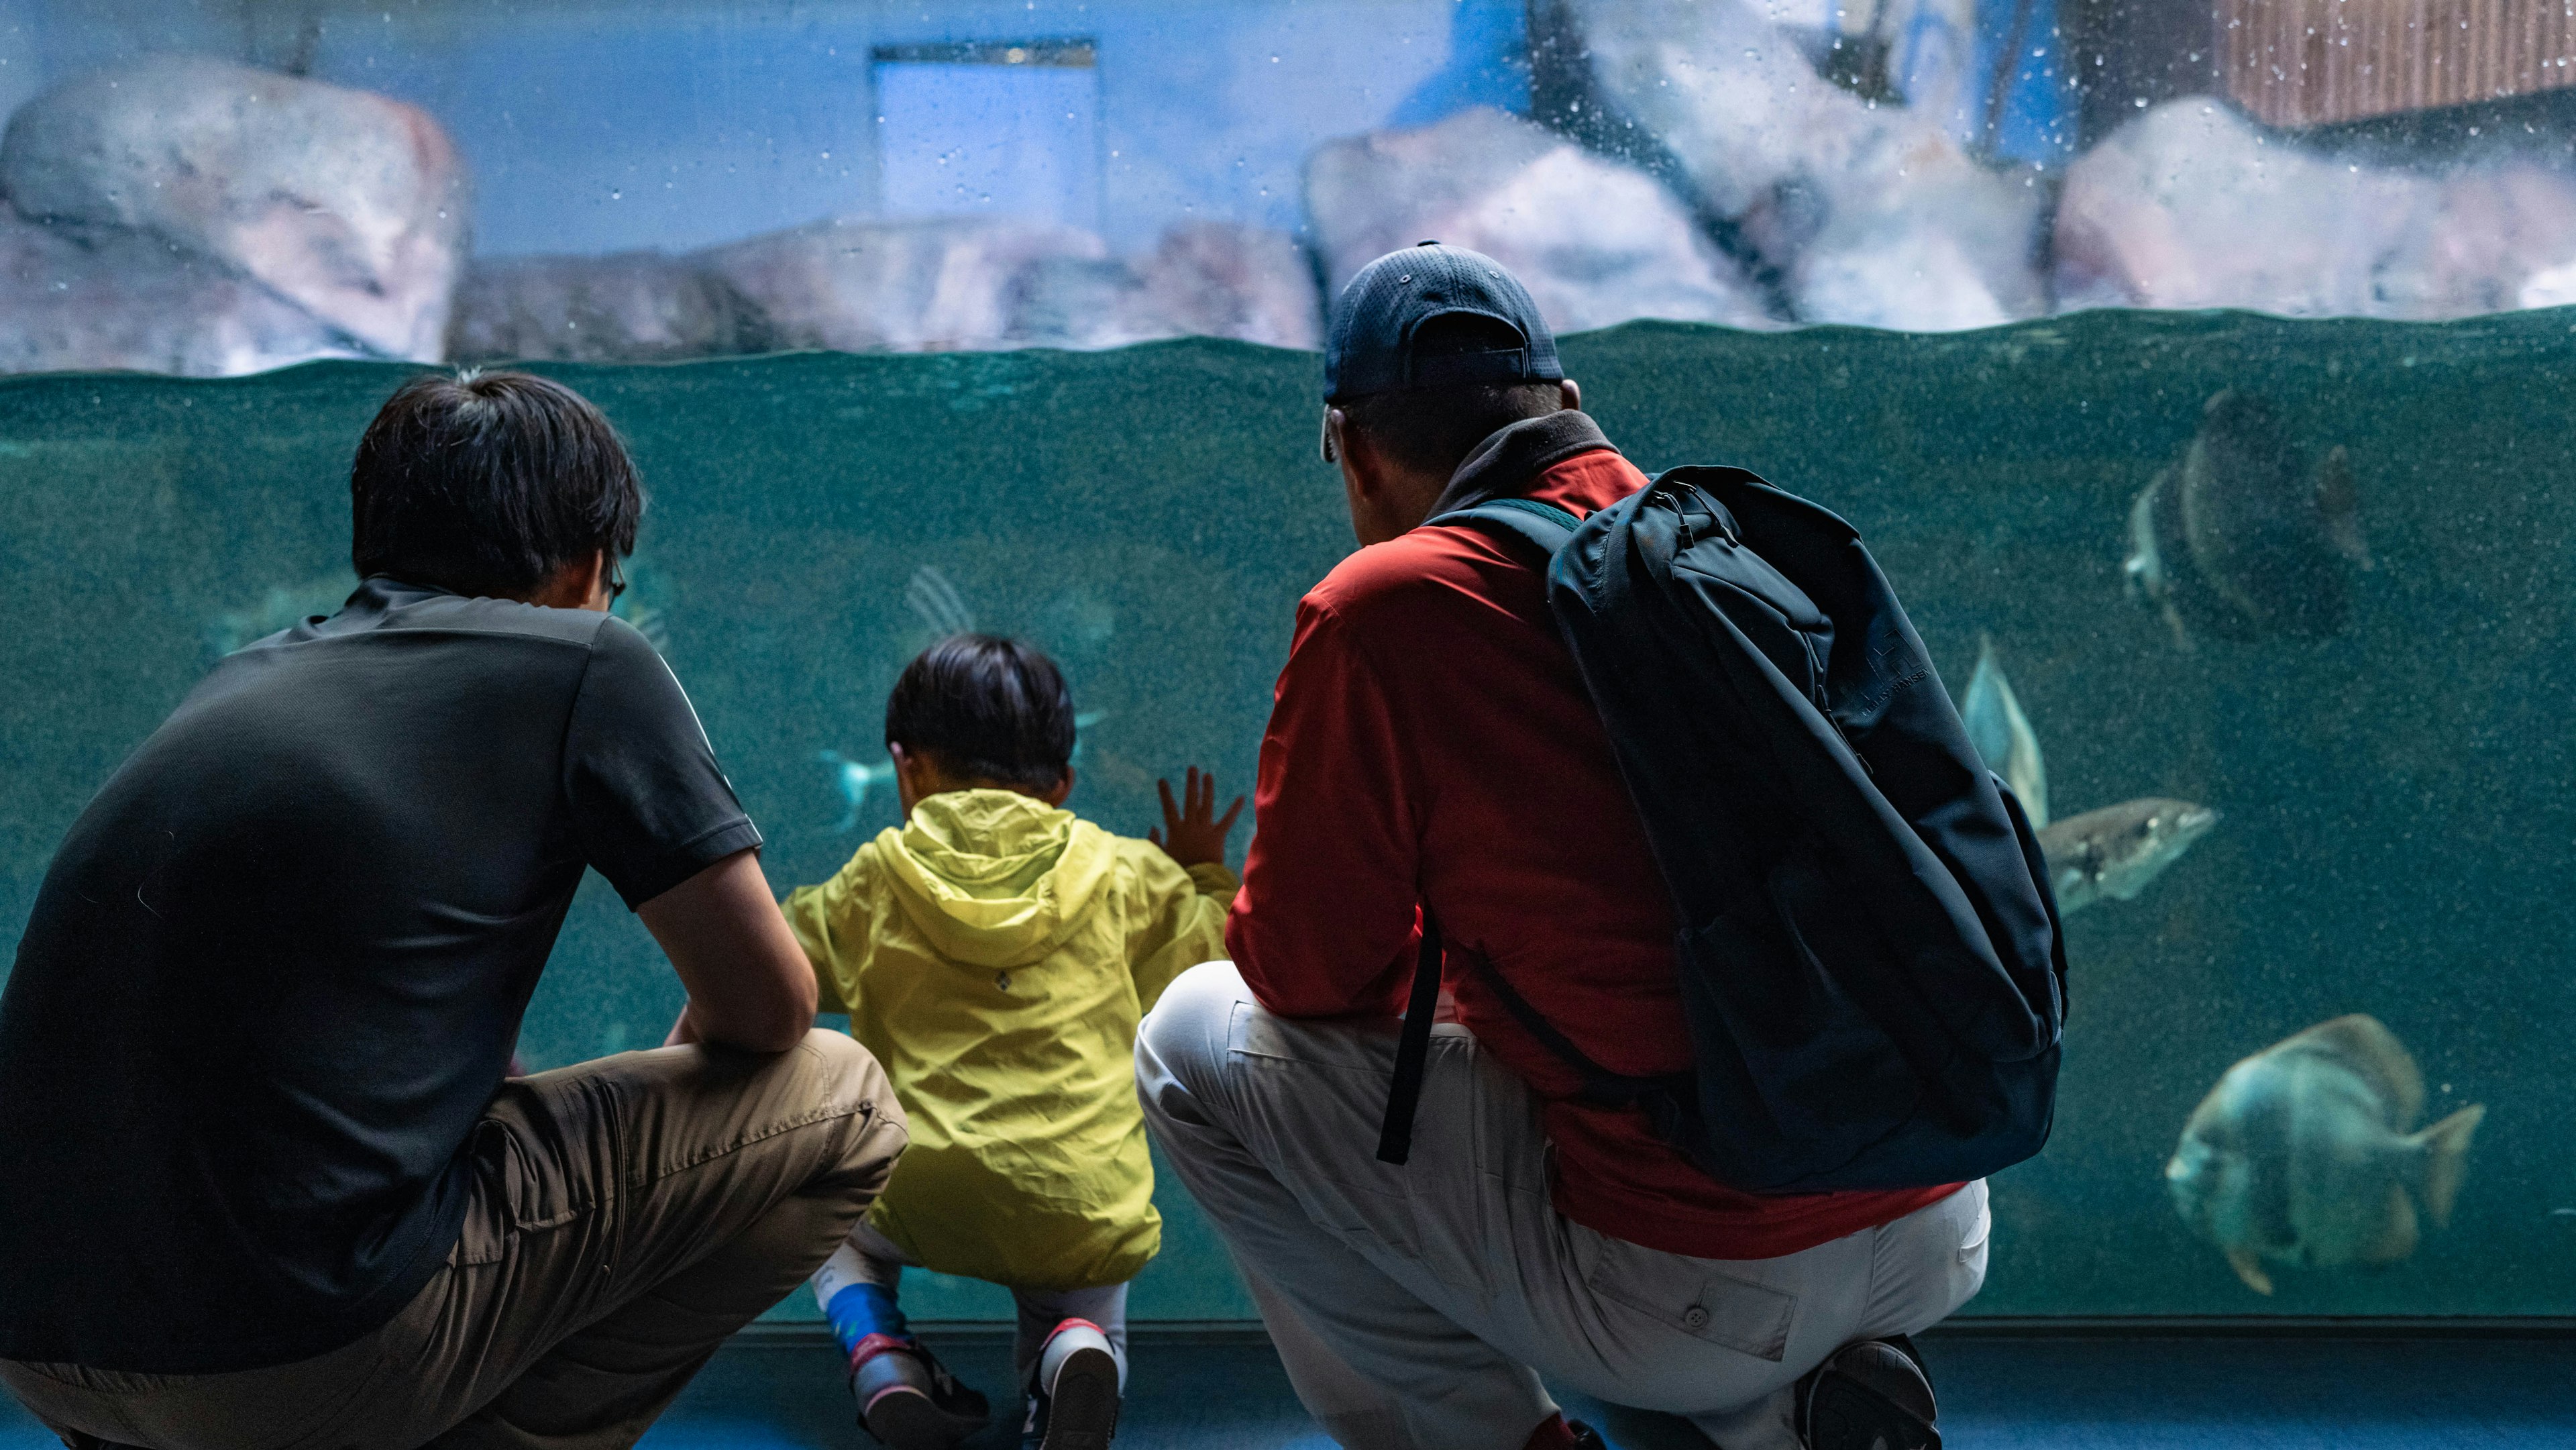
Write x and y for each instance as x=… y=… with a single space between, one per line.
x=616 y=579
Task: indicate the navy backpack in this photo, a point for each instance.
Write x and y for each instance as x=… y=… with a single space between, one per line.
x=1869 y=954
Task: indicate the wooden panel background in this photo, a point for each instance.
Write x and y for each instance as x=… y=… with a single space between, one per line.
x=2314 y=62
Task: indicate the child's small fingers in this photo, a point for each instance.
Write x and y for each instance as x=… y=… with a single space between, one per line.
x=1169 y=809
x=1231 y=812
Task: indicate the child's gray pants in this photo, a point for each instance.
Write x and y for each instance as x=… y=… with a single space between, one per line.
x=1419 y=1306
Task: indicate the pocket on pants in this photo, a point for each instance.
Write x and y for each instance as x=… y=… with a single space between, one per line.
x=1691 y=1296
x=1319 y=1098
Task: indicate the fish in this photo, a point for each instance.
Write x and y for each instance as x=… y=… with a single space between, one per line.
x=2002 y=734
x=282 y=606
x=937 y=602
x=2305 y=1154
x=1082 y=724
x=2238 y=539
x=2112 y=853
x=856 y=783
x=636 y=605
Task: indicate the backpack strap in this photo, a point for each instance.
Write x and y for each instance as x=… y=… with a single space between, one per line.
x=1601 y=1086
x=1413 y=1049
x=1542 y=524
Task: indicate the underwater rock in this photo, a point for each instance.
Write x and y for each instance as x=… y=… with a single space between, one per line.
x=2193 y=205
x=350 y=205
x=1870 y=213
x=2114 y=853
x=2238 y=539
x=630 y=307
x=932 y=285
x=2303 y=1154
x=95 y=299
x=1595 y=241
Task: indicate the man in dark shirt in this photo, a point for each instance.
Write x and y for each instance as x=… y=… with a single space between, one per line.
x=1432 y=747
x=266 y=1184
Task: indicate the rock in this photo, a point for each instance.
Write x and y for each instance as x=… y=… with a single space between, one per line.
x=630 y=307
x=2192 y=205
x=1205 y=279
x=1870 y=213
x=1597 y=242
x=97 y=299
x=1209 y=279
x=903 y=286
x=867 y=286
x=351 y=205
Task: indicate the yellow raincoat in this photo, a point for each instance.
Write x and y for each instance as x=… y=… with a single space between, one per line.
x=995 y=954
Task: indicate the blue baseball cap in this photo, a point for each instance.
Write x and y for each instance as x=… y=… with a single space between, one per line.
x=1371 y=346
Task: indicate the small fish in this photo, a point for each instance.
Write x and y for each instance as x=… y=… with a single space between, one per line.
x=2002 y=734
x=636 y=604
x=855 y=781
x=2303 y=1154
x=937 y=602
x=1082 y=724
x=649 y=622
x=282 y=606
x=2114 y=852
x=2235 y=539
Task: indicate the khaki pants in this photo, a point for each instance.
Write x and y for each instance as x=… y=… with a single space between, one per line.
x=627 y=1216
x=1418 y=1307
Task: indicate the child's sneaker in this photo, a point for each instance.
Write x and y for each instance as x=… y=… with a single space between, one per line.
x=1074 y=1403
x=908 y=1400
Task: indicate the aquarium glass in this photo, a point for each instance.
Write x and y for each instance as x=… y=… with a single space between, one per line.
x=2392 y=822
x=2195 y=367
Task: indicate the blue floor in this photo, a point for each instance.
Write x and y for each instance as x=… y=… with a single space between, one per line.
x=1997 y=1394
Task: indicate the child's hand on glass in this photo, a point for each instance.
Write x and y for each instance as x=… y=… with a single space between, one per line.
x=1192 y=833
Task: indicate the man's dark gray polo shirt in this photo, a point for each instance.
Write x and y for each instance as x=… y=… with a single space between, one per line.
x=276 y=970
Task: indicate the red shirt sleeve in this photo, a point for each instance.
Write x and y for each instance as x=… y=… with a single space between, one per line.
x=1324 y=924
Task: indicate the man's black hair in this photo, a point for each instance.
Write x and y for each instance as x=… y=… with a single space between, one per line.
x=488 y=483
x=1432 y=430
x=985 y=708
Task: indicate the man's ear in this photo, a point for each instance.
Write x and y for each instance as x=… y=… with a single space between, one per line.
x=1571 y=394
x=1054 y=795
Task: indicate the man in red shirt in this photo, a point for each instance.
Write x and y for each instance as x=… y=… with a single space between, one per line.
x=1432 y=746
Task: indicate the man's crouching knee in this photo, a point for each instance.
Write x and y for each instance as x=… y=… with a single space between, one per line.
x=1184 y=1037
x=851 y=1087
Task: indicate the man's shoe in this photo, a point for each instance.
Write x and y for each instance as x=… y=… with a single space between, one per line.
x=1585 y=1437
x=908 y=1400
x=1074 y=1403
x=1871 y=1394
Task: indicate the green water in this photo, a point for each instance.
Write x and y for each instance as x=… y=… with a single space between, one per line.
x=2397 y=835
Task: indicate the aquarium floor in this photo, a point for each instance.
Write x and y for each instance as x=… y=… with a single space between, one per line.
x=1225 y=1392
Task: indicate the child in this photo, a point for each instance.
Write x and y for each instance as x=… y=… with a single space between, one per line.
x=995 y=953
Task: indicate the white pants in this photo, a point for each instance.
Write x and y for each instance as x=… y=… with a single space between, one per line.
x=1419 y=1306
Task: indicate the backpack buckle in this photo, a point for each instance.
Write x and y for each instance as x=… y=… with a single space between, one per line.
x=1717 y=514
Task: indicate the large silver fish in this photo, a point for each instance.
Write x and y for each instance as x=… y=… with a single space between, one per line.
x=2302 y=1154
x=2002 y=734
x=2112 y=853
x=2237 y=539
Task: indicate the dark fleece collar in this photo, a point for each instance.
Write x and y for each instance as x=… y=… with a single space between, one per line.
x=1506 y=464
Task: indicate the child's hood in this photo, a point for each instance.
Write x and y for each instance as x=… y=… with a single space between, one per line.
x=995 y=878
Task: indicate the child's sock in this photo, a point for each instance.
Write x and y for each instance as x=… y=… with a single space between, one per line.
x=855 y=1302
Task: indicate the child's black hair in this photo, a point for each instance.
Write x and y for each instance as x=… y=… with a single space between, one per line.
x=987 y=709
